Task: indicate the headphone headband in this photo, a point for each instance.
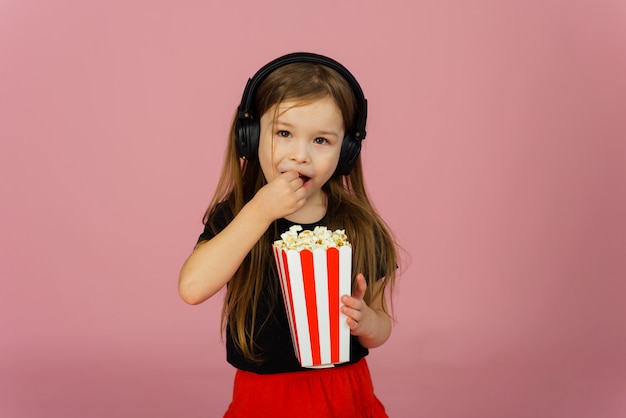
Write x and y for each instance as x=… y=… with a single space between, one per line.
x=245 y=108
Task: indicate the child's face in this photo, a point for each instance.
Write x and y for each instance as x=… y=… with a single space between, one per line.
x=305 y=138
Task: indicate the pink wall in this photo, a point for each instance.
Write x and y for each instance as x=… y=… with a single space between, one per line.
x=496 y=150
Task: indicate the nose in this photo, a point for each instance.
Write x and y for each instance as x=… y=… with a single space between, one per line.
x=299 y=151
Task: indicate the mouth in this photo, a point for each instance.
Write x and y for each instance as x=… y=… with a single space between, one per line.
x=304 y=178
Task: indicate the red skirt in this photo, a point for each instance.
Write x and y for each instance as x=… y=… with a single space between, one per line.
x=344 y=391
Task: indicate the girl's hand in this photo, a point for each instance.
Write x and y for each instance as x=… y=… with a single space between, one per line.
x=362 y=320
x=281 y=197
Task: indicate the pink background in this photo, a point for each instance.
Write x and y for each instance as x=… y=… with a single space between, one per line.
x=496 y=150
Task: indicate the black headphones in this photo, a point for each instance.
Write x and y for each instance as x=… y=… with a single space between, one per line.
x=248 y=129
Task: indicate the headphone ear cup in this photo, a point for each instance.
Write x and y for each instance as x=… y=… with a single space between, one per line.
x=248 y=131
x=350 y=150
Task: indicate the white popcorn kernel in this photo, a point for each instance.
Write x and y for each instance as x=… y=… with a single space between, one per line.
x=320 y=238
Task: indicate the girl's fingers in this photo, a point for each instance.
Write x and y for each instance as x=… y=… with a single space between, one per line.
x=352 y=324
x=351 y=302
x=351 y=313
x=353 y=305
x=361 y=286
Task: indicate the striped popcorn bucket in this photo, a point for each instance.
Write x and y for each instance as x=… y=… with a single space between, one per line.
x=312 y=283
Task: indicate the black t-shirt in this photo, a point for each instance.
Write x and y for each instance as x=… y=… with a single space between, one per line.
x=274 y=337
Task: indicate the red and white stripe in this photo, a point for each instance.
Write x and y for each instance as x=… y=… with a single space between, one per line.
x=312 y=283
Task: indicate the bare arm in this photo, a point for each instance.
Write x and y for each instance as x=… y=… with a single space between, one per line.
x=212 y=263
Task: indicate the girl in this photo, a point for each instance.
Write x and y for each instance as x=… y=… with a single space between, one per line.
x=293 y=158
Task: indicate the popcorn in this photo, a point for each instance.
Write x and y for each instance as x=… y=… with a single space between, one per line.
x=315 y=269
x=320 y=238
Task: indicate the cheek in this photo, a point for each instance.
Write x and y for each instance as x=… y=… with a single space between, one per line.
x=335 y=158
x=329 y=166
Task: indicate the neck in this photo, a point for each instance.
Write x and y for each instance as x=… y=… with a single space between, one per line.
x=313 y=210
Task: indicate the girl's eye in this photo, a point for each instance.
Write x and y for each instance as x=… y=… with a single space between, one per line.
x=321 y=141
x=283 y=134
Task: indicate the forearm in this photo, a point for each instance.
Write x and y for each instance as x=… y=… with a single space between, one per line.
x=212 y=263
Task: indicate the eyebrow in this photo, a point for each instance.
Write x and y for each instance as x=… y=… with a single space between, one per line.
x=281 y=123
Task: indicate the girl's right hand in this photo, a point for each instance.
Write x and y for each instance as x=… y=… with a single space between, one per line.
x=281 y=197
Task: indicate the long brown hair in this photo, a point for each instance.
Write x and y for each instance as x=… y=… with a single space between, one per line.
x=349 y=208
